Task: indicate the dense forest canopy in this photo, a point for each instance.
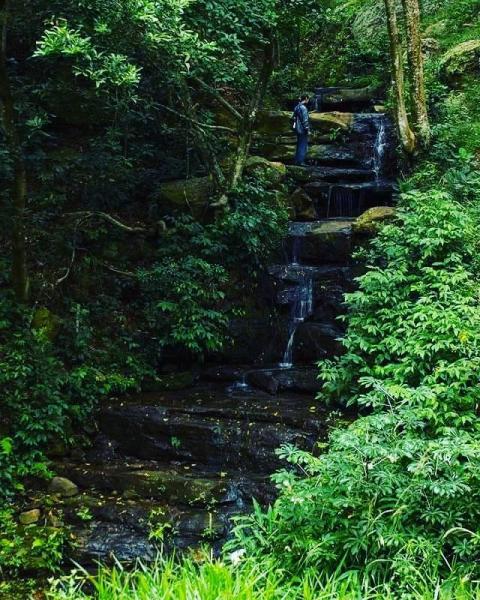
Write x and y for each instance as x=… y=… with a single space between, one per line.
x=146 y=190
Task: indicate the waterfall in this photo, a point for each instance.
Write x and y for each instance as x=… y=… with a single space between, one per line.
x=302 y=305
x=379 y=147
x=342 y=201
x=295 y=251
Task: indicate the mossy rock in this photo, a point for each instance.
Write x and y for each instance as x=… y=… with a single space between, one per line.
x=273 y=173
x=299 y=174
x=28 y=517
x=277 y=123
x=170 y=381
x=326 y=122
x=369 y=222
x=461 y=60
x=303 y=206
x=274 y=122
x=46 y=322
x=185 y=195
x=63 y=487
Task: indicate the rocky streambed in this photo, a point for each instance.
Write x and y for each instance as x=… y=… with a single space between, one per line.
x=169 y=469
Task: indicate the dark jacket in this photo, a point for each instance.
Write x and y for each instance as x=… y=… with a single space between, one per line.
x=302 y=121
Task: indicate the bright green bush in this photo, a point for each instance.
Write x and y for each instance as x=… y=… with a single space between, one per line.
x=188 y=289
x=43 y=396
x=397 y=493
x=30 y=547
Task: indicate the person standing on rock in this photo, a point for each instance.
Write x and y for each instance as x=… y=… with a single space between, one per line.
x=301 y=125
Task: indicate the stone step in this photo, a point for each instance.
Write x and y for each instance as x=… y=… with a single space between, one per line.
x=329 y=174
x=328 y=155
x=210 y=427
x=104 y=523
x=322 y=242
x=329 y=284
x=324 y=273
x=352 y=199
x=180 y=484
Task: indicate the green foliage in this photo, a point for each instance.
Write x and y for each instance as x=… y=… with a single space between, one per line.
x=28 y=547
x=188 y=312
x=246 y=580
x=188 y=292
x=414 y=315
x=42 y=396
x=396 y=493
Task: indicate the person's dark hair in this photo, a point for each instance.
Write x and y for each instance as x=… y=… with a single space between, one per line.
x=304 y=97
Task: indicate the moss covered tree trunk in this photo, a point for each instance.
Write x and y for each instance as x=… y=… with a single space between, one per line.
x=411 y=9
x=18 y=192
x=250 y=116
x=407 y=137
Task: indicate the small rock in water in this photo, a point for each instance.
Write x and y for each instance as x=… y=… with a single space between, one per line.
x=63 y=487
x=29 y=516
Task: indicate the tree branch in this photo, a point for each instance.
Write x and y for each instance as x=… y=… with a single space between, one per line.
x=231 y=109
x=206 y=125
x=85 y=215
x=118 y=271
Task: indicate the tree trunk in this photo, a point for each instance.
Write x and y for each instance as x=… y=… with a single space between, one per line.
x=411 y=9
x=250 y=116
x=407 y=137
x=18 y=193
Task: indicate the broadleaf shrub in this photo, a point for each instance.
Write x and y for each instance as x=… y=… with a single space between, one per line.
x=397 y=492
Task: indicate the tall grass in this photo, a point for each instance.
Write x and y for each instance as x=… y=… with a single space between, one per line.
x=170 y=579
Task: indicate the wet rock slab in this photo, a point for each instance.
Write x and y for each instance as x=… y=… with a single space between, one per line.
x=297 y=379
x=210 y=427
x=132 y=529
x=329 y=174
x=323 y=242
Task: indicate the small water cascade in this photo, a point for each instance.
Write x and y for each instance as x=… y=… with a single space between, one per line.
x=295 y=251
x=302 y=304
x=241 y=385
x=379 y=147
x=342 y=201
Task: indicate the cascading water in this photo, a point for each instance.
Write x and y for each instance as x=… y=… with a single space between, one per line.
x=302 y=305
x=241 y=385
x=295 y=251
x=379 y=147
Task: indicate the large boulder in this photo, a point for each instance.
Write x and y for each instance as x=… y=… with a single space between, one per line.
x=273 y=173
x=462 y=59
x=328 y=242
x=273 y=122
x=369 y=222
x=349 y=95
x=302 y=205
x=186 y=195
x=314 y=341
x=63 y=487
x=278 y=122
